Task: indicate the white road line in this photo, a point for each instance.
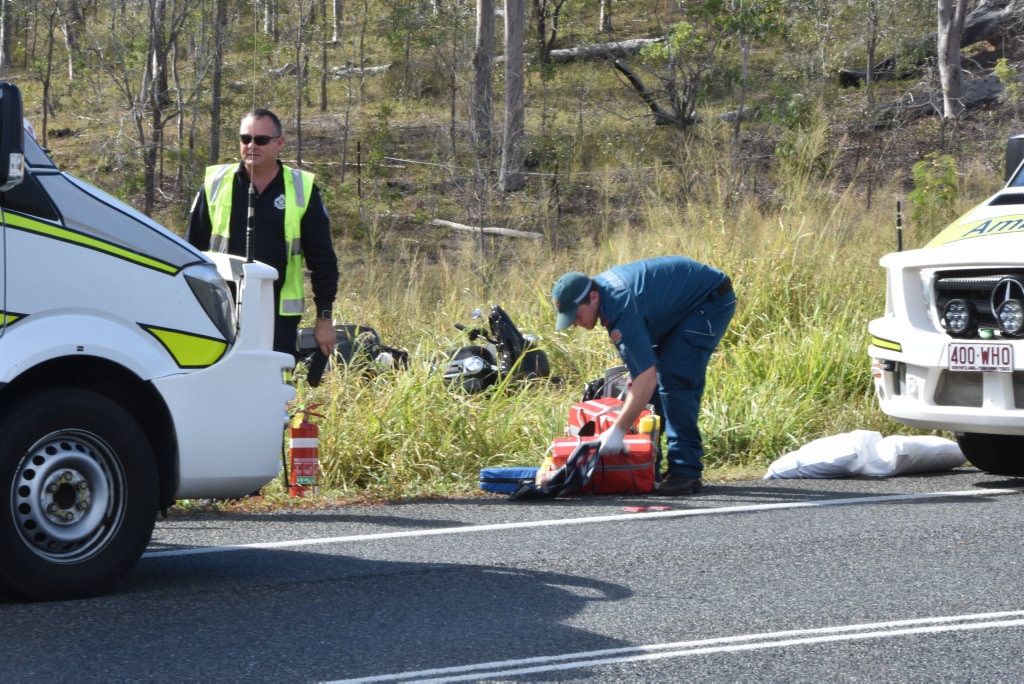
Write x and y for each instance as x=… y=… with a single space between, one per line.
x=746 y=642
x=471 y=529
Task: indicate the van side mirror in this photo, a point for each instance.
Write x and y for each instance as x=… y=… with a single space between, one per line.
x=1014 y=155
x=12 y=137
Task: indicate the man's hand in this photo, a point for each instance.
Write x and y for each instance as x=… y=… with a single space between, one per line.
x=612 y=441
x=325 y=336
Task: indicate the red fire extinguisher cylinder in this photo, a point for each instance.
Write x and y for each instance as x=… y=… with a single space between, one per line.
x=304 y=455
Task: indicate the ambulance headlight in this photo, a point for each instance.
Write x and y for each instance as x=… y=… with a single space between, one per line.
x=1011 y=317
x=211 y=290
x=1008 y=306
x=958 y=318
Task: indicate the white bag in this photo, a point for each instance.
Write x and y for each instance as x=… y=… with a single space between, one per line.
x=903 y=455
x=839 y=455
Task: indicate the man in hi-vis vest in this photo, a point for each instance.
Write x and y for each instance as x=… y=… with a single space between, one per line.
x=291 y=225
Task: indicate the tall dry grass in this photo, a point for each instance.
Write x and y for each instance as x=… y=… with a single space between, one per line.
x=792 y=368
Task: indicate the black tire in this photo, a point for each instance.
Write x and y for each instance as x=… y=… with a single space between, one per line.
x=996 y=454
x=82 y=492
x=535 y=365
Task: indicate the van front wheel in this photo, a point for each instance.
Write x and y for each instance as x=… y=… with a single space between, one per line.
x=80 y=480
x=996 y=454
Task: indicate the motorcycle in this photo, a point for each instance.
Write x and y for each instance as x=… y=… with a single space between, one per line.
x=354 y=344
x=495 y=352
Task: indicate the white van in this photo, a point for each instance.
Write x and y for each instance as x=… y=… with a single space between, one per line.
x=134 y=371
x=949 y=352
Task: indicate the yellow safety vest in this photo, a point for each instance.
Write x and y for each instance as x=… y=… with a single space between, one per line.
x=298 y=188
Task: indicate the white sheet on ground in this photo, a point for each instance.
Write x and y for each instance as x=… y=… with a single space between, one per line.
x=866 y=452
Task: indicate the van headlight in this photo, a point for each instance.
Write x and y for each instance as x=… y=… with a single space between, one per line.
x=1008 y=306
x=958 y=318
x=211 y=290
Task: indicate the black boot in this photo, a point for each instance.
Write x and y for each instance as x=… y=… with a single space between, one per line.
x=675 y=484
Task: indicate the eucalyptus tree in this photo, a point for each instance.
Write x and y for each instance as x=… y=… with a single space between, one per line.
x=72 y=23
x=750 y=20
x=305 y=20
x=813 y=30
x=134 y=50
x=6 y=18
x=482 y=99
x=337 y=20
x=546 y=16
x=512 y=176
x=220 y=34
x=682 y=65
x=951 y=15
x=26 y=26
x=268 y=10
x=431 y=50
x=604 y=22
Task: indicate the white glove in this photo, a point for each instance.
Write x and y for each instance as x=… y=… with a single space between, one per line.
x=611 y=441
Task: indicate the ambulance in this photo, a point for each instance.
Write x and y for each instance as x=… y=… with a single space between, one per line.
x=948 y=353
x=134 y=371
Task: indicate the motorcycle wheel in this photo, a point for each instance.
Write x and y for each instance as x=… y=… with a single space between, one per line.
x=534 y=365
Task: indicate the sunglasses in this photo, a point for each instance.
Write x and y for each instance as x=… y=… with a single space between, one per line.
x=260 y=140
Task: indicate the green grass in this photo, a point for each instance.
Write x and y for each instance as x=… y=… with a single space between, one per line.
x=792 y=368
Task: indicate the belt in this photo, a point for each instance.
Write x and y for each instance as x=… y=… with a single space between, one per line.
x=724 y=288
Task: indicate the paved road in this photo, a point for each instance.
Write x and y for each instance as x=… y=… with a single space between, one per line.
x=903 y=579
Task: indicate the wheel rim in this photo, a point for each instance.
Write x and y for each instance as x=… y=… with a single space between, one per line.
x=64 y=494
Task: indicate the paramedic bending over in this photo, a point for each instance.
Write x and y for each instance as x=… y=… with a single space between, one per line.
x=291 y=225
x=665 y=316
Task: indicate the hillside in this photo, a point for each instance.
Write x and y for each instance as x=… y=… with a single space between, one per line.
x=392 y=148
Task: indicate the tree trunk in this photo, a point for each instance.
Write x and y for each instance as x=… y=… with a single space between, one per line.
x=270 y=19
x=605 y=23
x=157 y=101
x=512 y=176
x=5 y=34
x=72 y=24
x=745 y=59
x=338 y=13
x=540 y=17
x=869 y=79
x=220 y=25
x=323 y=55
x=48 y=73
x=547 y=14
x=950 y=28
x=482 y=102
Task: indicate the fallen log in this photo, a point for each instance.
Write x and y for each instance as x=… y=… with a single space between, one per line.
x=487 y=231
x=354 y=72
x=978 y=92
x=602 y=51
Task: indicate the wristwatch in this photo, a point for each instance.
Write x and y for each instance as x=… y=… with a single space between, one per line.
x=326 y=314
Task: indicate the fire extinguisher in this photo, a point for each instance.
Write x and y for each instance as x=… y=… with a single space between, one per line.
x=304 y=452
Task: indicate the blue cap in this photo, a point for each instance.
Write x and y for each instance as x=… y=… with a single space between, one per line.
x=567 y=294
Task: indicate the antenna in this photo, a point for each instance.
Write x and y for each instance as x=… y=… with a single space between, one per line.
x=250 y=225
x=250 y=221
x=899 y=226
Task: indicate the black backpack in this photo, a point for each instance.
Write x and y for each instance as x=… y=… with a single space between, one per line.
x=615 y=383
x=570 y=477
